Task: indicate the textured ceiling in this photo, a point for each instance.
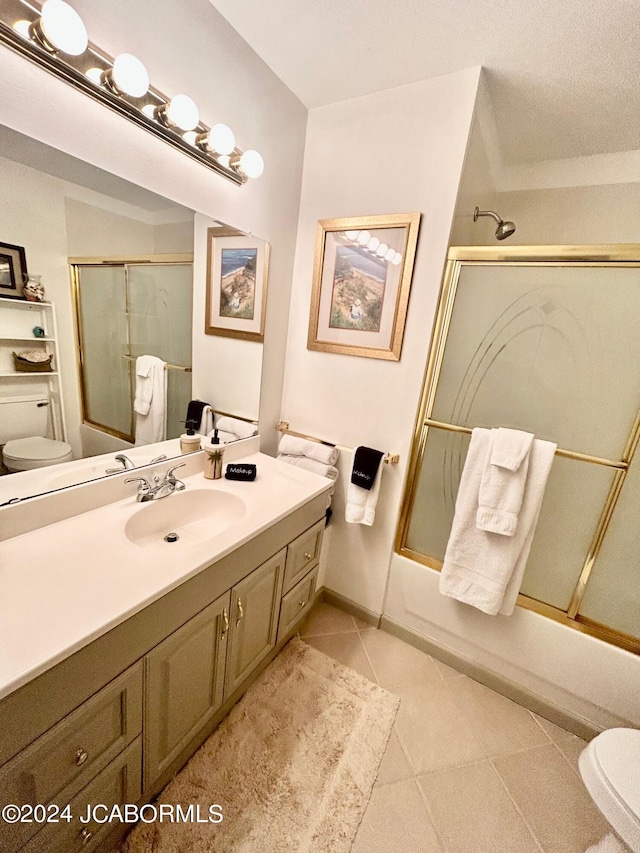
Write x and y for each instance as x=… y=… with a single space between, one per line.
x=563 y=74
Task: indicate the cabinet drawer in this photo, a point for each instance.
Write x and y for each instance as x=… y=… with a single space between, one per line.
x=120 y=782
x=74 y=750
x=302 y=554
x=296 y=602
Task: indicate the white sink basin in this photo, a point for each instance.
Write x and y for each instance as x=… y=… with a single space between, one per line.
x=195 y=516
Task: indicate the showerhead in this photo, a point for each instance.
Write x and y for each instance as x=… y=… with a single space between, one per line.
x=505 y=228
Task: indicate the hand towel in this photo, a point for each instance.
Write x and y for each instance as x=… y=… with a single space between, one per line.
x=310 y=465
x=484 y=569
x=195 y=411
x=243 y=429
x=292 y=445
x=152 y=425
x=144 y=384
x=361 y=502
x=502 y=485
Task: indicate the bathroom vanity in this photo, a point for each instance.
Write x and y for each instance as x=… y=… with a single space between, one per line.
x=123 y=652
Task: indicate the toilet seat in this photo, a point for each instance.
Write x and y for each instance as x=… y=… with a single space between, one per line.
x=23 y=454
x=610 y=770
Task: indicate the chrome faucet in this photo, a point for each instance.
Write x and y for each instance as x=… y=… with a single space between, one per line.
x=161 y=488
x=127 y=464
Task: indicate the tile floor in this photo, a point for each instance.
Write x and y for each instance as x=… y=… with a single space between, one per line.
x=466 y=770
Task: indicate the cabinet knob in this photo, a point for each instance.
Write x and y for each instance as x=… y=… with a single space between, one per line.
x=81 y=757
x=86 y=835
x=302 y=603
x=307 y=556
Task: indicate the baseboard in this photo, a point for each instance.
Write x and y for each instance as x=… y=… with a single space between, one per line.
x=350 y=607
x=578 y=726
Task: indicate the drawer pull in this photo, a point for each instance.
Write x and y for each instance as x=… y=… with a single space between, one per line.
x=302 y=603
x=86 y=835
x=308 y=556
x=240 y=611
x=81 y=757
x=226 y=624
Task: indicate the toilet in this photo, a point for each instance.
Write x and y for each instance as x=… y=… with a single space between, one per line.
x=24 y=425
x=610 y=770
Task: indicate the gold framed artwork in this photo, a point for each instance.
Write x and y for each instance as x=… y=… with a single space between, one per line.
x=237 y=270
x=361 y=283
x=13 y=271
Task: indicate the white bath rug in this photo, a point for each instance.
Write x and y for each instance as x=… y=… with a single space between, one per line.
x=609 y=844
x=292 y=766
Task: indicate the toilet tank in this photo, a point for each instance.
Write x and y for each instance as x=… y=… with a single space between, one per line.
x=21 y=417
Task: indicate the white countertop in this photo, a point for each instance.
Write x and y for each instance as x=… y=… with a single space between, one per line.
x=64 y=585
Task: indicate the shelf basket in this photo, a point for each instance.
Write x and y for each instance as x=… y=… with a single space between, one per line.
x=23 y=365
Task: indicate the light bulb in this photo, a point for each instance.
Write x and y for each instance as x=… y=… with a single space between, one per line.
x=190 y=136
x=62 y=28
x=251 y=164
x=396 y=260
x=129 y=76
x=22 y=28
x=221 y=139
x=382 y=250
x=224 y=160
x=351 y=235
x=149 y=110
x=373 y=244
x=182 y=112
x=390 y=255
x=363 y=238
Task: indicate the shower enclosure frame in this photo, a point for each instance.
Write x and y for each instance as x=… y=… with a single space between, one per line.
x=619 y=255
x=75 y=264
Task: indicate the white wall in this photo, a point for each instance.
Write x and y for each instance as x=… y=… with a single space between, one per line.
x=398 y=151
x=187 y=46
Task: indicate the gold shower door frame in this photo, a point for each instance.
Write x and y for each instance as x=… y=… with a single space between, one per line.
x=620 y=255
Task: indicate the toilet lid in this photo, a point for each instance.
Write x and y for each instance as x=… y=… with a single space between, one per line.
x=618 y=754
x=35 y=448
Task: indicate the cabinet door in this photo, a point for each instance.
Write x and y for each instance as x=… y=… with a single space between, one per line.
x=255 y=604
x=184 y=684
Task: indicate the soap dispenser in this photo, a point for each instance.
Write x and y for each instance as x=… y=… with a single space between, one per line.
x=213 y=458
x=189 y=441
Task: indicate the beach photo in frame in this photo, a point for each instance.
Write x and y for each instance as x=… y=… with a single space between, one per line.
x=237 y=270
x=13 y=271
x=361 y=283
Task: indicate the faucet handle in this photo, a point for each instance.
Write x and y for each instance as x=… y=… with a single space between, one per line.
x=169 y=475
x=144 y=486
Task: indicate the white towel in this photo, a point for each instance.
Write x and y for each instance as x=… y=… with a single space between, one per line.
x=292 y=445
x=481 y=568
x=310 y=465
x=243 y=429
x=144 y=384
x=151 y=426
x=503 y=481
x=361 y=503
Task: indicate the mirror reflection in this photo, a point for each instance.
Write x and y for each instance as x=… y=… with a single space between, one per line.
x=117 y=265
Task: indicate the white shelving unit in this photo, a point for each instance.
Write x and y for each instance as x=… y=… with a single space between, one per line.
x=18 y=318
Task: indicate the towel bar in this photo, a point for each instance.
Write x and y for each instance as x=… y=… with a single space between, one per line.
x=166 y=367
x=283 y=427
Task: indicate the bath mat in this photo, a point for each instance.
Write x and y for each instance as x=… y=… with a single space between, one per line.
x=292 y=766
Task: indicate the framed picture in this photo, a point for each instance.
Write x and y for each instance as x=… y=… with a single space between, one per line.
x=13 y=270
x=361 y=282
x=237 y=269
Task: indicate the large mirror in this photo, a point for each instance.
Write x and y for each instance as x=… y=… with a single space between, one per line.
x=118 y=264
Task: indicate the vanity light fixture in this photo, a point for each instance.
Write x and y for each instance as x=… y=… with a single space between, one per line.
x=55 y=38
x=364 y=240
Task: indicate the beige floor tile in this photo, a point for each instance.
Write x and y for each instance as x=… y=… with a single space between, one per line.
x=395 y=765
x=472 y=812
x=345 y=648
x=396 y=820
x=396 y=663
x=325 y=619
x=445 y=670
x=500 y=725
x=571 y=749
x=432 y=731
x=552 y=800
x=556 y=733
